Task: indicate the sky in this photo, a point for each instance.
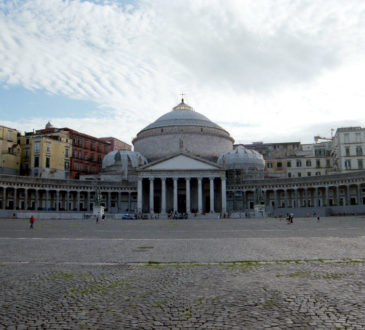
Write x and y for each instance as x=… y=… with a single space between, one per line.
x=264 y=70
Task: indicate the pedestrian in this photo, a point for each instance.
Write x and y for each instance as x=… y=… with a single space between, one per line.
x=318 y=218
x=103 y=217
x=31 y=220
x=97 y=218
x=291 y=217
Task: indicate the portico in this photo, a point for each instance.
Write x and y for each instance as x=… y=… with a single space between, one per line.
x=183 y=184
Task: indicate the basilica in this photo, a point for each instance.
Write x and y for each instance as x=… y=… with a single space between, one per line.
x=183 y=163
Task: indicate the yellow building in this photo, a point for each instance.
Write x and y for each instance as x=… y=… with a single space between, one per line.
x=9 y=151
x=46 y=155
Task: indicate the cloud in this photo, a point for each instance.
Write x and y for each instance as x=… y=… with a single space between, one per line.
x=234 y=58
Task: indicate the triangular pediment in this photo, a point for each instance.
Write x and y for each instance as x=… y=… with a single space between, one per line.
x=181 y=162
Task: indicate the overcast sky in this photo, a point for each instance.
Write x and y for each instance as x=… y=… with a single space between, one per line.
x=272 y=71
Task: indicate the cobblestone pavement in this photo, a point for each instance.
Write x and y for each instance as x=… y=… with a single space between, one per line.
x=44 y=288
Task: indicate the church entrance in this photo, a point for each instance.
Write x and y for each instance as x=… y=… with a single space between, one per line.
x=181 y=203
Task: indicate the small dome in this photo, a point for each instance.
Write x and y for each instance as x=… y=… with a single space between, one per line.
x=118 y=161
x=120 y=157
x=242 y=158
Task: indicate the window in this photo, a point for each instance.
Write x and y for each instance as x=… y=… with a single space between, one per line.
x=80 y=142
x=99 y=148
x=74 y=141
x=36 y=161
x=26 y=141
x=76 y=166
x=26 y=152
x=309 y=173
x=66 y=152
x=10 y=136
x=279 y=165
x=288 y=163
x=87 y=168
x=318 y=173
x=308 y=163
x=358 y=137
x=269 y=165
x=85 y=155
x=92 y=157
x=86 y=143
x=80 y=154
x=67 y=165
x=348 y=164
x=289 y=175
x=299 y=163
x=360 y=165
x=328 y=163
x=347 y=137
x=347 y=150
x=299 y=174
x=92 y=146
x=48 y=147
x=358 y=151
x=94 y=169
x=48 y=161
x=37 y=146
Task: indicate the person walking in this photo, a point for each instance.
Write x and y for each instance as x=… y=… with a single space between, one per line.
x=318 y=219
x=31 y=221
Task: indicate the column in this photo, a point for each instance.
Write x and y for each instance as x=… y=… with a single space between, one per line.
x=286 y=202
x=264 y=196
x=36 y=199
x=187 y=195
x=139 y=196
x=316 y=197
x=25 y=199
x=163 y=197
x=4 y=198
x=211 y=181
x=359 y=201
x=348 y=195
x=57 y=200
x=224 y=196
x=88 y=201
x=67 y=208
x=338 y=196
x=175 y=194
x=296 y=197
x=152 y=196
x=47 y=200
x=78 y=200
x=15 y=199
x=200 y=196
x=109 y=201
x=275 y=198
x=327 y=196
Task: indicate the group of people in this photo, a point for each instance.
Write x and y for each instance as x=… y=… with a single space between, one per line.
x=289 y=218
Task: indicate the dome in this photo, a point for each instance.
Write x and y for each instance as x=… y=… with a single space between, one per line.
x=182 y=130
x=242 y=158
x=118 y=161
x=182 y=115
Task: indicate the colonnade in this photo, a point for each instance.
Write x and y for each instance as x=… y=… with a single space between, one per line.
x=43 y=199
x=290 y=197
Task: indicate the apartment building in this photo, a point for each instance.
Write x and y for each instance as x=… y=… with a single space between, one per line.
x=9 y=151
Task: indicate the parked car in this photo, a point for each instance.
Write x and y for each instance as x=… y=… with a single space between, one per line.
x=128 y=216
